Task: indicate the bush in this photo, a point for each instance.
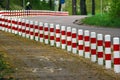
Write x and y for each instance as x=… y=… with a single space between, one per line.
x=115 y=9
x=102 y=20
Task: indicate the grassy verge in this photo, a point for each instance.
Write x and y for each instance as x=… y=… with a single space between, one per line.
x=5 y=68
x=103 y=21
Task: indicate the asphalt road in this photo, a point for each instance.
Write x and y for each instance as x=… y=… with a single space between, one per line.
x=68 y=21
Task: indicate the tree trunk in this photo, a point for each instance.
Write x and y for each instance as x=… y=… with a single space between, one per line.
x=7 y=5
x=83 y=7
x=93 y=7
x=74 y=7
x=60 y=6
x=50 y=3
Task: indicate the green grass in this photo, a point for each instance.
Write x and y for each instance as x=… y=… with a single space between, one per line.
x=102 y=21
x=5 y=69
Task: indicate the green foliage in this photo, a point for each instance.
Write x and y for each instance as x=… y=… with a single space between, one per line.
x=36 y=4
x=115 y=9
x=102 y=20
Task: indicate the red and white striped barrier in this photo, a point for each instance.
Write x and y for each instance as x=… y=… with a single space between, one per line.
x=108 y=63
x=116 y=54
x=57 y=35
x=23 y=13
x=93 y=47
x=41 y=31
x=87 y=43
x=74 y=40
x=80 y=42
x=36 y=31
x=84 y=43
x=100 y=48
x=69 y=38
x=31 y=30
x=46 y=33
x=63 y=37
x=52 y=41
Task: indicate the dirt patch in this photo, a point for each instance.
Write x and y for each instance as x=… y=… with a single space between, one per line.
x=36 y=61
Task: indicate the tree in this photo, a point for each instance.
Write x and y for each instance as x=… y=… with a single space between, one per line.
x=74 y=7
x=115 y=9
x=93 y=7
x=83 y=7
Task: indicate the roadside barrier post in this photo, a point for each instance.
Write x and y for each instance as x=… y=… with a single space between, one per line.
x=87 y=43
x=41 y=31
x=69 y=39
x=27 y=28
x=116 y=54
x=93 y=47
x=108 y=52
x=31 y=30
x=80 y=42
x=36 y=31
x=63 y=37
x=74 y=40
x=57 y=35
x=100 y=48
x=19 y=26
x=46 y=33
x=23 y=28
x=52 y=41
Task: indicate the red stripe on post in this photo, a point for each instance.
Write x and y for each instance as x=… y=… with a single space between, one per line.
x=57 y=39
x=86 y=38
x=93 y=40
x=68 y=33
x=46 y=29
x=63 y=32
x=116 y=47
x=41 y=35
x=27 y=25
x=117 y=61
x=93 y=51
x=80 y=47
x=74 y=45
x=63 y=41
x=87 y=49
x=57 y=30
x=107 y=44
x=51 y=29
x=69 y=42
x=107 y=56
x=51 y=37
x=73 y=35
x=80 y=37
x=100 y=54
x=100 y=43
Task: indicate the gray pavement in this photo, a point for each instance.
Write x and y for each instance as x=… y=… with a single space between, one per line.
x=68 y=21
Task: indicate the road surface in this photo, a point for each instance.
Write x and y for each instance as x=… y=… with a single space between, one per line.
x=68 y=21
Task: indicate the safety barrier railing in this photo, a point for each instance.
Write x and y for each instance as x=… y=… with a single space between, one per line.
x=100 y=49
x=23 y=13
